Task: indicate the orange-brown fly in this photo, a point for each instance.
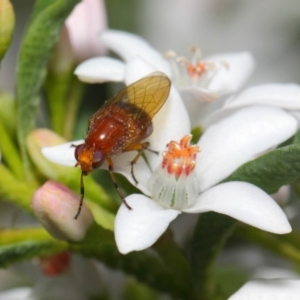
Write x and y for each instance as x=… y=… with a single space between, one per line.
x=121 y=125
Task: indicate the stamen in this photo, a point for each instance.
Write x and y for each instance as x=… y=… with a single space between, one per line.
x=194 y=72
x=174 y=184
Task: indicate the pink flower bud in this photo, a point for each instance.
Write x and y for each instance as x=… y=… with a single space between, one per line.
x=86 y=21
x=55 y=264
x=55 y=206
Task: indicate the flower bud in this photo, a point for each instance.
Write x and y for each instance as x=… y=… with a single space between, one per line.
x=38 y=139
x=7 y=24
x=55 y=206
x=86 y=21
x=55 y=264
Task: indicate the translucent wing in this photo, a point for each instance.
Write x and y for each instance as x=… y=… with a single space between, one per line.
x=141 y=100
x=147 y=94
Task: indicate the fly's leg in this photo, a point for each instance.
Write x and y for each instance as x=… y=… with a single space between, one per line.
x=82 y=196
x=111 y=169
x=140 y=148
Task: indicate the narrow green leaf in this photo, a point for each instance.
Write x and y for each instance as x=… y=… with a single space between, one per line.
x=42 y=34
x=210 y=235
x=271 y=170
x=21 y=244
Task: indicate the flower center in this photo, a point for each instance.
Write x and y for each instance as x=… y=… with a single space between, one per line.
x=194 y=72
x=174 y=183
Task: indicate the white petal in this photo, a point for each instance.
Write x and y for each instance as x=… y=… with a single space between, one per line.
x=170 y=123
x=281 y=95
x=236 y=139
x=199 y=103
x=244 y=202
x=101 y=69
x=231 y=78
x=129 y=46
x=166 y=126
x=275 y=289
x=140 y=227
x=62 y=154
x=18 y=293
x=136 y=69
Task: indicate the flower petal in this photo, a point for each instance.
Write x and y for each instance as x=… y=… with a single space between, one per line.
x=62 y=154
x=166 y=128
x=129 y=46
x=244 y=202
x=281 y=95
x=237 y=69
x=140 y=227
x=283 y=289
x=101 y=69
x=199 y=103
x=239 y=137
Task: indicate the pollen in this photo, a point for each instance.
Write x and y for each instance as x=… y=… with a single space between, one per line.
x=174 y=184
x=180 y=158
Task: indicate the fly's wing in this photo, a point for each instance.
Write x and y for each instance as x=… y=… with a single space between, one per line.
x=141 y=100
x=147 y=95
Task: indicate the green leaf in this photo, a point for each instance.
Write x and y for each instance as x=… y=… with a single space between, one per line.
x=211 y=233
x=42 y=34
x=21 y=244
x=271 y=170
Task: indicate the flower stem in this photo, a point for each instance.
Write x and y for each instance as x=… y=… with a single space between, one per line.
x=210 y=235
x=286 y=245
x=10 y=153
x=57 y=87
x=14 y=190
x=72 y=106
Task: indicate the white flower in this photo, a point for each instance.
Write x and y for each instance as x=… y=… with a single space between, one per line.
x=283 y=289
x=285 y=96
x=225 y=145
x=199 y=80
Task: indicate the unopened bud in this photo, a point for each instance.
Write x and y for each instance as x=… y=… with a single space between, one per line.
x=55 y=206
x=7 y=24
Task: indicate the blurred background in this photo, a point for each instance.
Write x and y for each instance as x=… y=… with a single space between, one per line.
x=270 y=29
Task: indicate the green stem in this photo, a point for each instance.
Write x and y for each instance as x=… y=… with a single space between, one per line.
x=285 y=246
x=10 y=153
x=211 y=233
x=14 y=190
x=72 y=106
x=56 y=87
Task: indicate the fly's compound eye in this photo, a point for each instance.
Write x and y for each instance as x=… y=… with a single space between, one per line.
x=78 y=150
x=98 y=159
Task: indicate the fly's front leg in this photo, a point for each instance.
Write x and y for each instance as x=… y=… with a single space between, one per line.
x=111 y=169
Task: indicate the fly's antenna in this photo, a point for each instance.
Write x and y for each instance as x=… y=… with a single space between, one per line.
x=82 y=196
